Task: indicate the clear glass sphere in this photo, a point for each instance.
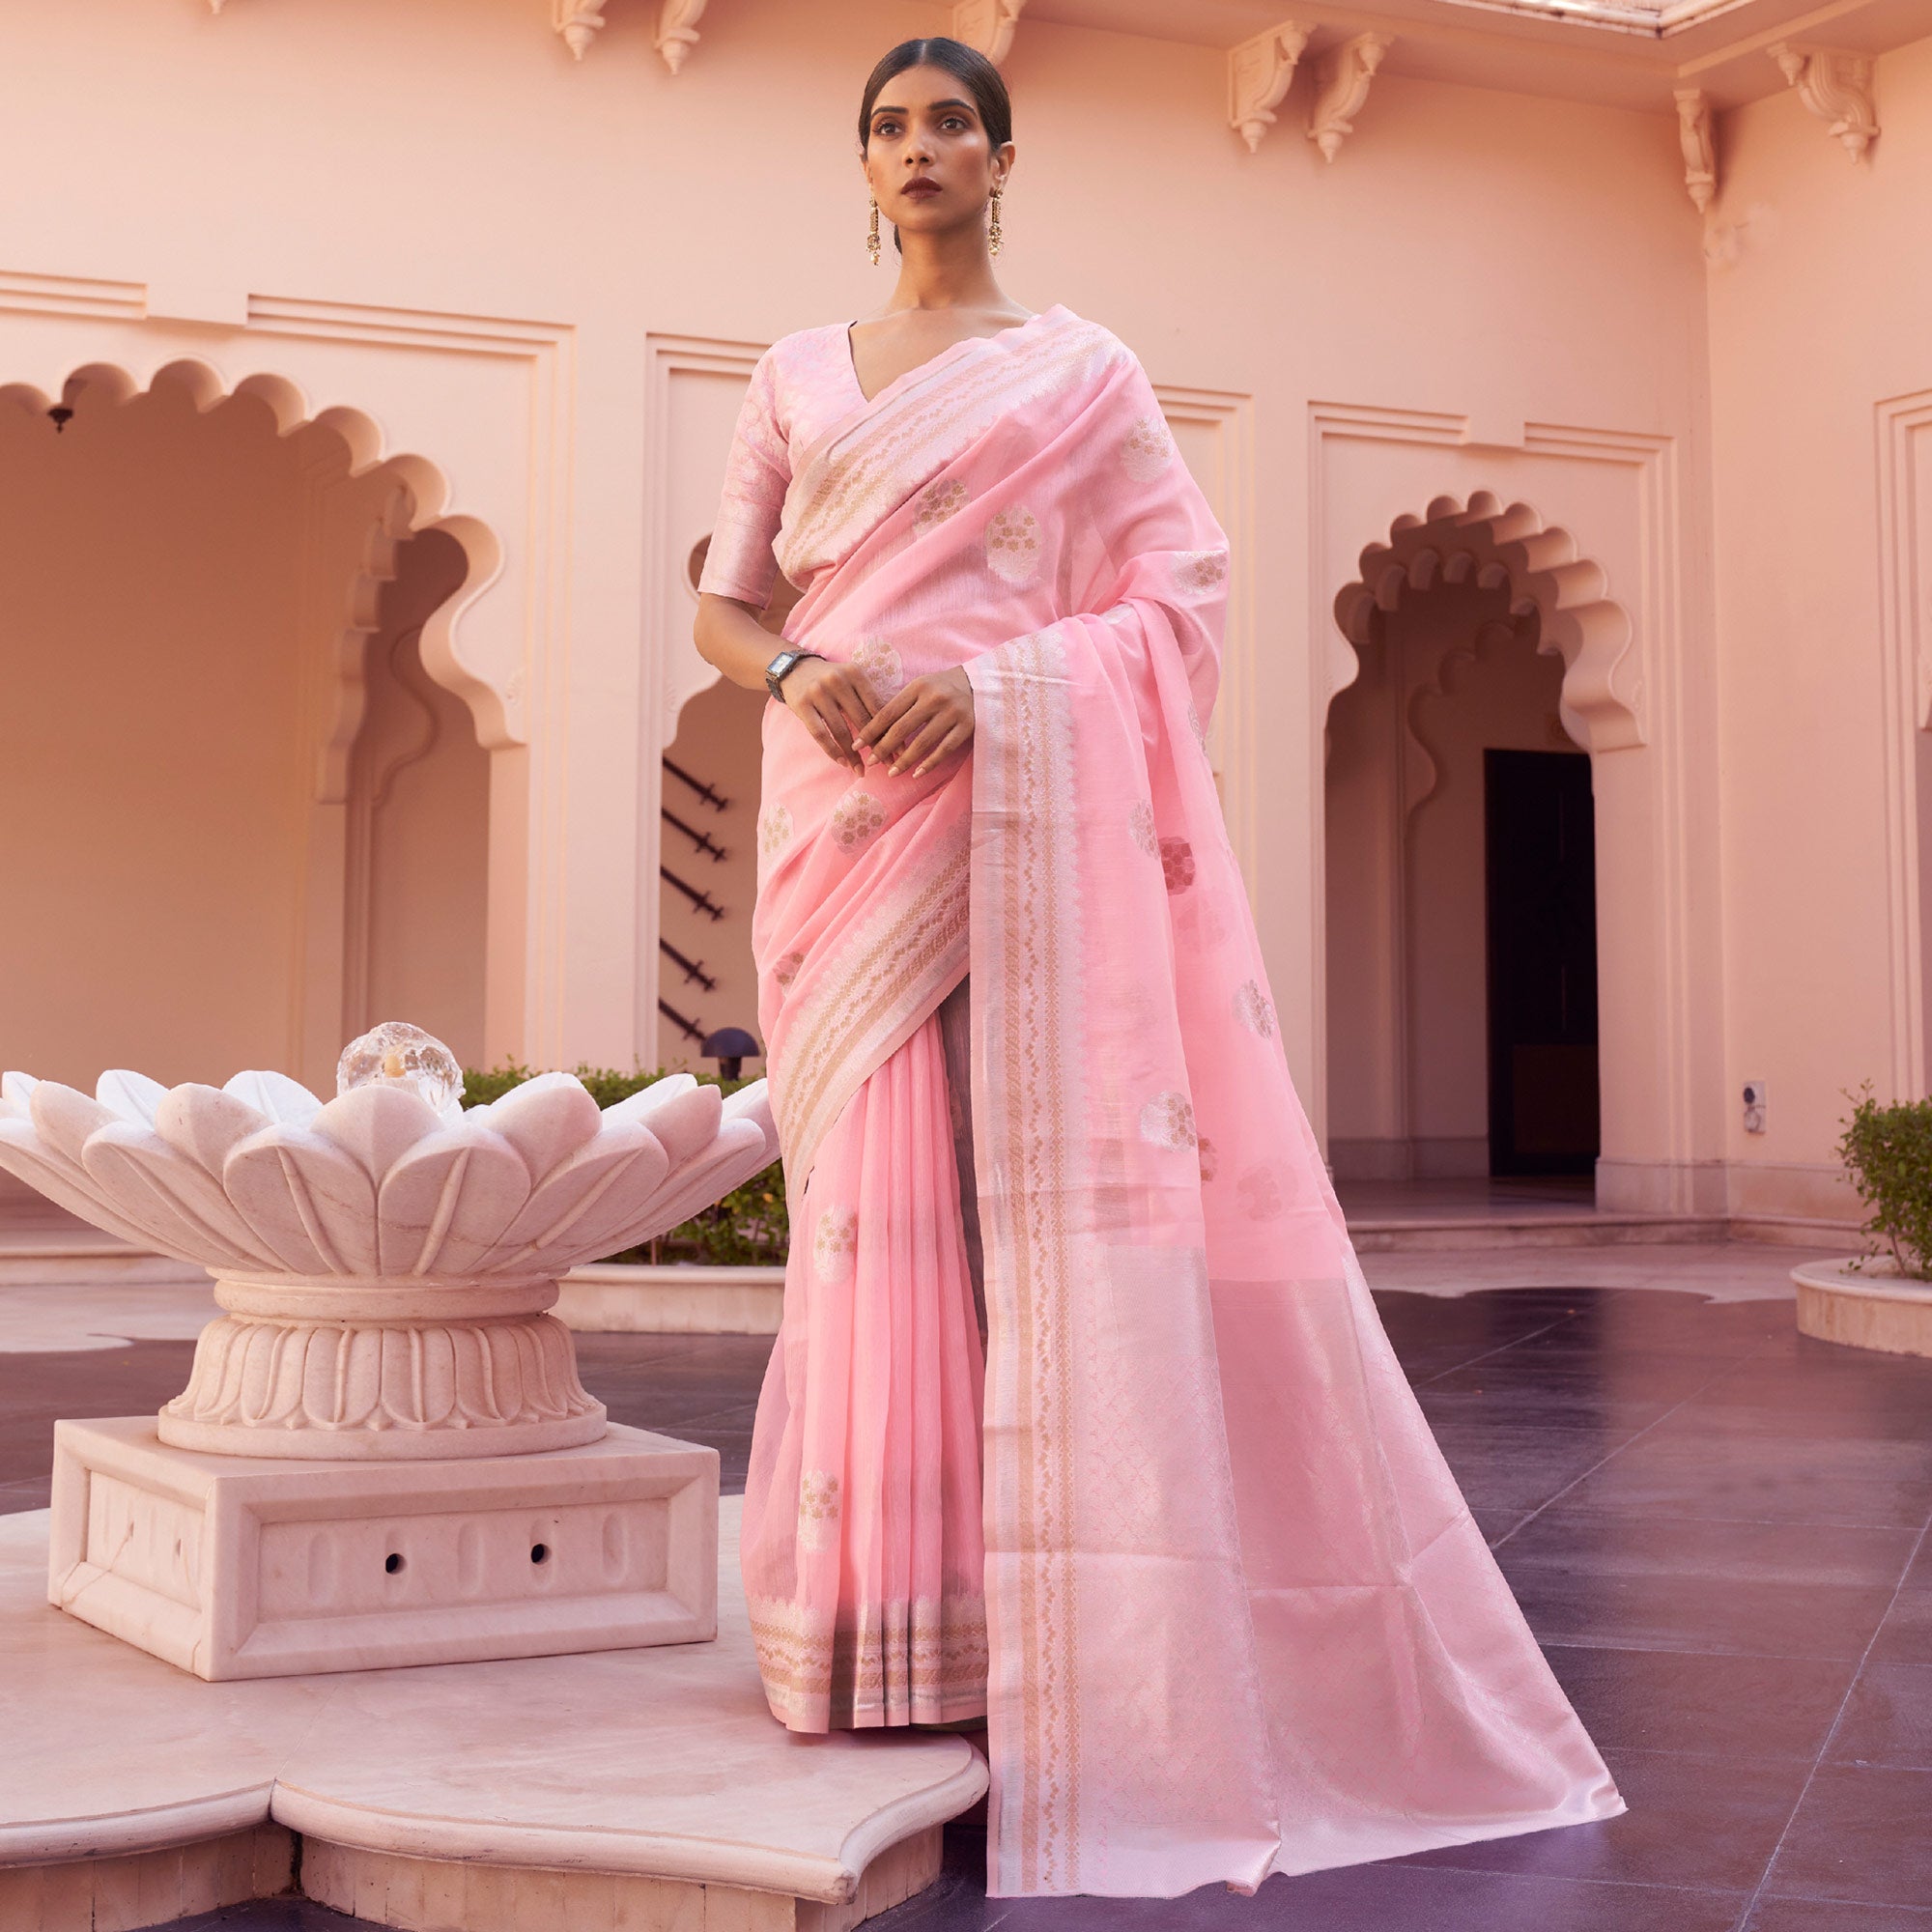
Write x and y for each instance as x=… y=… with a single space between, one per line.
x=396 y=1054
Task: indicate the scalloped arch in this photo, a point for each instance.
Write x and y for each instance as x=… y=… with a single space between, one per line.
x=422 y=504
x=1492 y=546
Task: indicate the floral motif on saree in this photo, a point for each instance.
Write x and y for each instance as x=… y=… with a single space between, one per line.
x=1181 y=1532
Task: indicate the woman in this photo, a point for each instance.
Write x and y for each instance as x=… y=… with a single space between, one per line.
x=1193 y=1552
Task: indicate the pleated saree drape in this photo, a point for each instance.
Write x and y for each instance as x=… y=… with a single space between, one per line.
x=1184 y=1535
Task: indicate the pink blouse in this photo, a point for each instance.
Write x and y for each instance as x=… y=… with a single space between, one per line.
x=801 y=385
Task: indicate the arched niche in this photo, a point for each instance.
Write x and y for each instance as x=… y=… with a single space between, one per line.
x=1494 y=546
x=1539 y=593
x=346 y=518
x=422 y=498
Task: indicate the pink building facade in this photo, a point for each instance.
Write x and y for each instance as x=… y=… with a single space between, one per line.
x=1562 y=376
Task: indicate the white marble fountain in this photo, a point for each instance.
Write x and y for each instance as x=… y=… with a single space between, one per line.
x=384 y=1454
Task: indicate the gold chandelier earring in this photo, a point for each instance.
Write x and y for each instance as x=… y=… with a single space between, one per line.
x=872 y=236
x=994 y=234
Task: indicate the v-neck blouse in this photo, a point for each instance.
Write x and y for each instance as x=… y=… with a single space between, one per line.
x=802 y=385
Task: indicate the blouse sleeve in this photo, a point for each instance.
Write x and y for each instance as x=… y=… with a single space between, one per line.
x=739 y=562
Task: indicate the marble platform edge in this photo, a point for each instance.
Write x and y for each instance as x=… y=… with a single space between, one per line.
x=158 y=1827
x=826 y=1879
x=642 y=1854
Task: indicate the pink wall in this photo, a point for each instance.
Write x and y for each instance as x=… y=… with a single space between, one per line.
x=1821 y=351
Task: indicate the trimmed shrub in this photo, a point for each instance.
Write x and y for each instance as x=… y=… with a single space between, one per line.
x=748 y=1228
x=1888 y=1151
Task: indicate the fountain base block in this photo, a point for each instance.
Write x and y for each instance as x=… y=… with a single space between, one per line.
x=231 y=1566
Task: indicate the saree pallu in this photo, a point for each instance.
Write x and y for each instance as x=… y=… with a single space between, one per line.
x=1237 y=1617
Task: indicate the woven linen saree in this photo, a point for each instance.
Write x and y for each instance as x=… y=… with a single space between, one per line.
x=1224 y=1603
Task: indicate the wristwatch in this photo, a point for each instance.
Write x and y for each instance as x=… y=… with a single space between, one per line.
x=774 y=672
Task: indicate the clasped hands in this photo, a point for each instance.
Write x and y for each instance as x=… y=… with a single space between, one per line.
x=927 y=722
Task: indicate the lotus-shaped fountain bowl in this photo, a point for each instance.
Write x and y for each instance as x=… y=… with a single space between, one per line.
x=384 y=1268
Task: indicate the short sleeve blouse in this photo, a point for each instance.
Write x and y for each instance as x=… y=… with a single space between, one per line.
x=802 y=385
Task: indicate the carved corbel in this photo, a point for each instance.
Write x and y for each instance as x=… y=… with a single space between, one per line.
x=677 y=30
x=1835 y=87
x=578 y=21
x=1343 y=88
x=1700 y=154
x=987 y=24
x=1259 y=71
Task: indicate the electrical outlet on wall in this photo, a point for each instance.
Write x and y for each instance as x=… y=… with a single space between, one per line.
x=1754 y=1106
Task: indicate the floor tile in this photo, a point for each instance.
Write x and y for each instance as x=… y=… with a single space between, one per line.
x=1854 y=1378
x=1817 y=1915
x=1716 y=1411
x=1497 y=1524
x=1506 y=1464
x=1905 y=1636
x=1578 y=1375
x=1378 y=1899
x=1918 y=1575
x=1711 y=1706
x=1860 y=1834
x=1606 y=1419
x=1681 y=1469
x=1773 y=1590
x=1888 y=1720
x=1685 y=1827
x=273 y=1914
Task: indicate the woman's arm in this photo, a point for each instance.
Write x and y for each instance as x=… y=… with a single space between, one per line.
x=831 y=700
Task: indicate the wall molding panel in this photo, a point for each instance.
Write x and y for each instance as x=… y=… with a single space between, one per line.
x=1379 y=473
x=1903 y=427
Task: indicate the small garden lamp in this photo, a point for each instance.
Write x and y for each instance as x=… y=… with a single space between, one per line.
x=730 y=1047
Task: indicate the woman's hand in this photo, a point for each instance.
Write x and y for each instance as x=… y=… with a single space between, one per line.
x=833 y=702
x=929 y=721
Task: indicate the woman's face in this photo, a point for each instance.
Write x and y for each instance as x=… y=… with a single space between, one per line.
x=929 y=161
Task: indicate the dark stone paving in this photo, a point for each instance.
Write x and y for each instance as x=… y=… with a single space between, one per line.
x=1717 y=1529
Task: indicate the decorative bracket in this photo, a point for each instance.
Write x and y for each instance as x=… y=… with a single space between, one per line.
x=1343 y=88
x=1259 y=72
x=579 y=21
x=1835 y=87
x=986 y=24
x=677 y=30
x=1700 y=154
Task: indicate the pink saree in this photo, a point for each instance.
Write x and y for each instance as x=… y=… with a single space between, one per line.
x=1190 y=1545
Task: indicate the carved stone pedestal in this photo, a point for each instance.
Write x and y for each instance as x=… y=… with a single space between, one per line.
x=382 y=1370
x=234 y=1565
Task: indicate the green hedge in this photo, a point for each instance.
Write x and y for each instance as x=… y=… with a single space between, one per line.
x=748 y=1228
x=1888 y=1151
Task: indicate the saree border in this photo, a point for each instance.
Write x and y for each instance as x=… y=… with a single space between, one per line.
x=1025 y=952
x=906 y=960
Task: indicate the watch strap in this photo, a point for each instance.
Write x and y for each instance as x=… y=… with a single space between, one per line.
x=776 y=672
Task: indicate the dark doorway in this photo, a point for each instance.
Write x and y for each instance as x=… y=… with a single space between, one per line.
x=1541 y=887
